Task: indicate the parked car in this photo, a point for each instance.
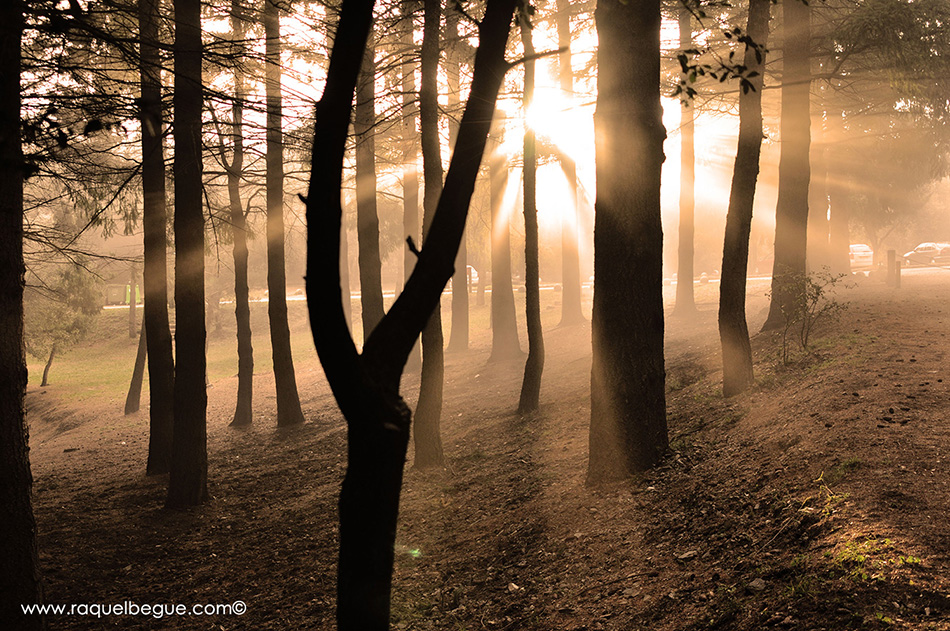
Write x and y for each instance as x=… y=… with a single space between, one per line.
x=861 y=256
x=928 y=254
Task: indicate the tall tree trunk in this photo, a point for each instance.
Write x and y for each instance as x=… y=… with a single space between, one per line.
x=531 y=383
x=133 y=329
x=459 y=333
x=791 y=212
x=737 y=373
x=367 y=386
x=571 y=312
x=161 y=362
x=410 y=167
x=628 y=401
x=20 y=579
x=367 y=219
x=345 y=291
x=685 y=300
x=242 y=309
x=818 y=228
x=133 y=399
x=504 y=325
x=188 y=482
x=426 y=430
x=285 y=379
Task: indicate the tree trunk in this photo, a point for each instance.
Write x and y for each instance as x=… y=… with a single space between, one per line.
x=133 y=329
x=459 y=333
x=504 y=325
x=188 y=482
x=531 y=383
x=20 y=579
x=367 y=219
x=685 y=300
x=161 y=362
x=628 y=401
x=242 y=309
x=133 y=399
x=840 y=204
x=818 y=228
x=571 y=312
x=426 y=430
x=791 y=212
x=737 y=373
x=49 y=364
x=285 y=379
x=366 y=386
x=410 y=168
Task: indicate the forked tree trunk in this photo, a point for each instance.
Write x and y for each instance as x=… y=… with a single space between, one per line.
x=133 y=399
x=367 y=386
x=737 y=375
x=531 y=383
x=628 y=400
x=285 y=379
x=188 y=482
x=367 y=218
x=685 y=300
x=242 y=307
x=791 y=211
x=504 y=325
x=570 y=224
x=161 y=362
x=426 y=431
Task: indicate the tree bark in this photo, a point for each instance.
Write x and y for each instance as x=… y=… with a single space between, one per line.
x=426 y=430
x=628 y=430
x=791 y=212
x=571 y=312
x=188 y=482
x=410 y=168
x=534 y=365
x=161 y=362
x=685 y=299
x=459 y=332
x=367 y=219
x=133 y=399
x=49 y=364
x=20 y=579
x=367 y=386
x=243 y=414
x=504 y=325
x=737 y=375
x=285 y=379
x=133 y=329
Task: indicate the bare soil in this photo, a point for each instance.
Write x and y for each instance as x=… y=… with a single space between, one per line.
x=820 y=500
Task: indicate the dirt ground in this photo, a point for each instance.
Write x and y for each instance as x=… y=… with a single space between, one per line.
x=820 y=500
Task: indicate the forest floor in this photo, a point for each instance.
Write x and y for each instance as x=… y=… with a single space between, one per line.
x=819 y=500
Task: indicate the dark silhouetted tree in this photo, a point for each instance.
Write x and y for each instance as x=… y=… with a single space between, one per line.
x=733 y=328
x=161 y=362
x=628 y=431
x=791 y=211
x=426 y=430
x=366 y=386
x=20 y=578
x=285 y=380
x=188 y=482
x=534 y=365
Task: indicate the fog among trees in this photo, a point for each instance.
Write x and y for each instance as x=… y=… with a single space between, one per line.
x=608 y=314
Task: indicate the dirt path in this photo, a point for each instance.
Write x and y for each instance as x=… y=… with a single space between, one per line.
x=818 y=501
